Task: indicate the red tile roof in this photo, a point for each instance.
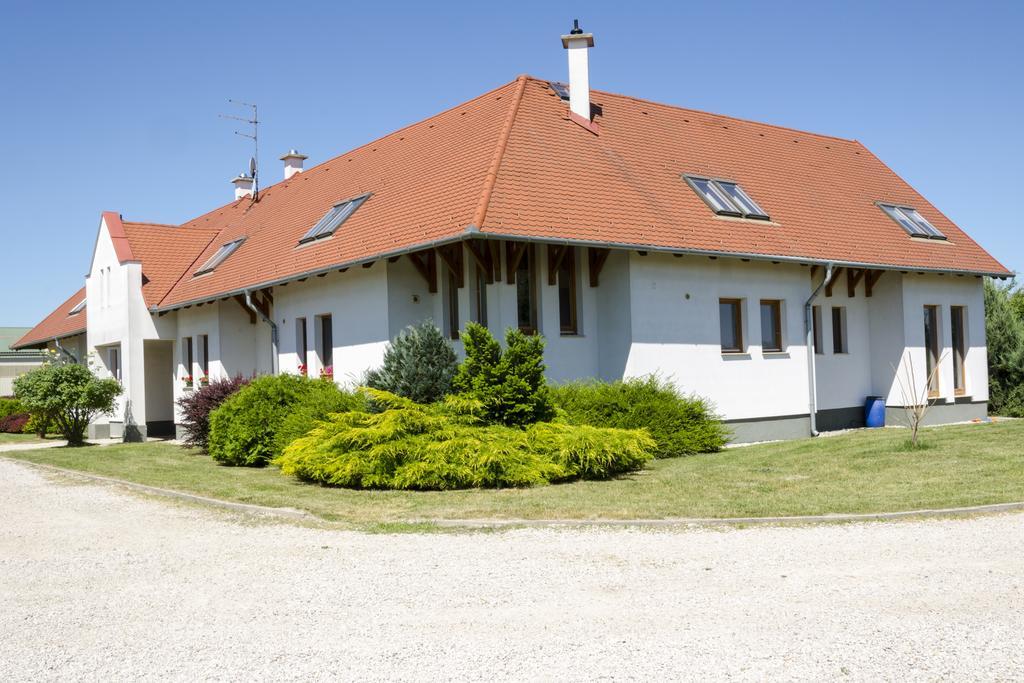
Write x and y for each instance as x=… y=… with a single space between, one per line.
x=513 y=163
x=57 y=325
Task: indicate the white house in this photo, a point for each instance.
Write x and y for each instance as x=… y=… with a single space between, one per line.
x=784 y=275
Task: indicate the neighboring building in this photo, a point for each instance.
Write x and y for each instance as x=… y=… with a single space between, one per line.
x=14 y=364
x=637 y=237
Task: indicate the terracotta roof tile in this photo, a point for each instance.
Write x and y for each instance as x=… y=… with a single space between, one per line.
x=57 y=325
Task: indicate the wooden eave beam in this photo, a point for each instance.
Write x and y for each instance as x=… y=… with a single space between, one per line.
x=425 y=263
x=556 y=254
x=853 y=276
x=831 y=283
x=513 y=256
x=871 y=280
x=596 y=257
x=481 y=253
x=451 y=254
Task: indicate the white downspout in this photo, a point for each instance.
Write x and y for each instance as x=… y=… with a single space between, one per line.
x=809 y=328
x=67 y=353
x=273 y=330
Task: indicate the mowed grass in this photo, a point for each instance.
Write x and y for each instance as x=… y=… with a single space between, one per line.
x=6 y=438
x=860 y=472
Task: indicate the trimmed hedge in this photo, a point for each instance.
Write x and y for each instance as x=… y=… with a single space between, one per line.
x=14 y=424
x=197 y=406
x=244 y=429
x=448 y=446
x=680 y=425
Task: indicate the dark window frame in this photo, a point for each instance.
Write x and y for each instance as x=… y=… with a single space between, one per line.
x=932 y=349
x=302 y=342
x=775 y=307
x=529 y=260
x=958 y=328
x=220 y=256
x=567 y=268
x=840 y=340
x=204 y=348
x=924 y=227
x=816 y=325
x=326 y=227
x=452 y=303
x=480 y=294
x=188 y=352
x=737 y=324
x=737 y=211
x=326 y=350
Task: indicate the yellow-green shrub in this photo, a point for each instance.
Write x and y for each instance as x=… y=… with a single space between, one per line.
x=447 y=446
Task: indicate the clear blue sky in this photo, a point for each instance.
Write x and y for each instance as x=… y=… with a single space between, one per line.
x=110 y=106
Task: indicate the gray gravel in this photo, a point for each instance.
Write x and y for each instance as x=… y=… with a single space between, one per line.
x=98 y=584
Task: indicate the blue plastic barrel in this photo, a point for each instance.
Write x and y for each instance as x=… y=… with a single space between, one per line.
x=874 y=411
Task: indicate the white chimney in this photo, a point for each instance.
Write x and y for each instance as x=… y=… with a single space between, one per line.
x=578 y=44
x=243 y=186
x=292 y=163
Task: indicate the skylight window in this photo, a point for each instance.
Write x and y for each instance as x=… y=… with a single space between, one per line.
x=726 y=198
x=913 y=222
x=77 y=307
x=338 y=214
x=561 y=89
x=219 y=257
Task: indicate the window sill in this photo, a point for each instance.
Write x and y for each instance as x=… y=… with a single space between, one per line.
x=735 y=355
x=571 y=334
x=775 y=354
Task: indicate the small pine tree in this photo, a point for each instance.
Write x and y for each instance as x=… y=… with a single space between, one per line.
x=1004 y=336
x=418 y=364
x=510 y=385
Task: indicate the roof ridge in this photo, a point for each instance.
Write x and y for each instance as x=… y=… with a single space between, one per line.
x=711 y=113
x=499 y=152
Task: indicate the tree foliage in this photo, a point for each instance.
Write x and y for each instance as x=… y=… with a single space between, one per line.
x=197 y=406
x=418 y=364
x=509 y=384
x=68 y=395
x=1004 y=335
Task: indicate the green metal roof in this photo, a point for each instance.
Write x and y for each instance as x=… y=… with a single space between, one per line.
x=9 y=335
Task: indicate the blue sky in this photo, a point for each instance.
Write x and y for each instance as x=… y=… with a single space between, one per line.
x=111 y=106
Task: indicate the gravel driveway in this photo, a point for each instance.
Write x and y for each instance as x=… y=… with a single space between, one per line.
x=102 y=585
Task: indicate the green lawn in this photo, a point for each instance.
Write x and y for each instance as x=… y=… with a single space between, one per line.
x=6 y=438
x=865 y=471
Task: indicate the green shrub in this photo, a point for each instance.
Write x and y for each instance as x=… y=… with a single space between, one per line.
x=321 y=401
x=38 y=424
x=447 y=446
x=68 y=395
x=10 y=406
x=243 y=430
x=680 y=425
x=509 y=384
x=1004 y=336
x=418 y=364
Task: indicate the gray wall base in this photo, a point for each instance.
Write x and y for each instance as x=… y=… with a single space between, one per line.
x=769 y=428
x=940 y=413
x=179 y=432
x=98 y=431
x=840 y=418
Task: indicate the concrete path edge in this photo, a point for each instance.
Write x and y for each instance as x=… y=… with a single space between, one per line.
x=291 y=513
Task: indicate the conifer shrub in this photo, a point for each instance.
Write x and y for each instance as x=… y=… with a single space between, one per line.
x=320 y=401
x=418 y=364
x=197 y=406
x=448 y=445
x=680 y=425
x=510 y=384
x=244 y=429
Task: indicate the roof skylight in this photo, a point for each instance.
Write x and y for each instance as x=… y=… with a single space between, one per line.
x=77 y=308
x=222 y=253
x=561 y=89
x=338 y=214
x=913 y=222
x=726 y=198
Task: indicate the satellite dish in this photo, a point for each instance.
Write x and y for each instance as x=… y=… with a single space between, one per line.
x=252 y=167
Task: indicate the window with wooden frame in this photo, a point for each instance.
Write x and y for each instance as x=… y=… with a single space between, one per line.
x=816 y=324
x=931 y=348
x=958 y=319
x=301 y=343
x=326 y=343
x=187 y=356
x=771 y=325
x=480 y=295
x=730 y=320
x=114 y=362
x=451 y=303
x=568 y=317
x=204 y=355
x=526 y=291
x=839 y=341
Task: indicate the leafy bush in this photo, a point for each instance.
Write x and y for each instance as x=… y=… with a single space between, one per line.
x=680 y=425
x=197 y=406
x=243 y=430
x=38 y=424
x=321 y=401
x=1004 y=335
x=509 y=384
x=14 y=424
x=419 y=365
x=447 y=446
x=69 y=395
x=10 y=406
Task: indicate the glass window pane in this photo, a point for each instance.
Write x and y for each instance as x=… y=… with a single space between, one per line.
x=741 y=199
x=770 y=333
x=714 y=196
x=728 y=318
x=921 y=222
x=905 y=222
x=525 y=304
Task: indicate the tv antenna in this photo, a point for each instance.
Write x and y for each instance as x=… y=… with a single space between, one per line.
x=255 y=137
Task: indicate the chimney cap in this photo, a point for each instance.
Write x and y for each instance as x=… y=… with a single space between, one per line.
x=292 y=154
x=241 y=178
x=577 y=34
